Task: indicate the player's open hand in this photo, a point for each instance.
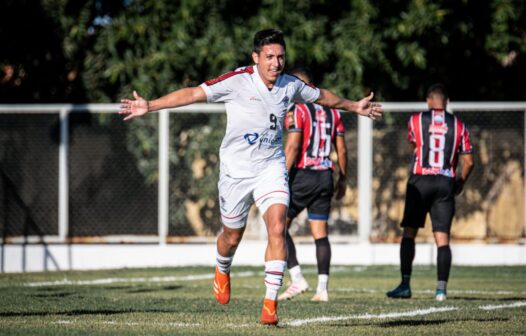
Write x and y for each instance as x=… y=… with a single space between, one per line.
x=369 y=109
x=134 y=108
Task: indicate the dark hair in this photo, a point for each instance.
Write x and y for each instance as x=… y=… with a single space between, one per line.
x=302 y=71
x=268 y=36
x=438 y=90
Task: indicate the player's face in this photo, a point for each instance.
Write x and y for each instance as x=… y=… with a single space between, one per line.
x=270 y=62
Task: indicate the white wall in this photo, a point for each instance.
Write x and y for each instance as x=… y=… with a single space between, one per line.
x=37 y=258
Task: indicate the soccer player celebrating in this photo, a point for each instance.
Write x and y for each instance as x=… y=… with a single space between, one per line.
x=313 y=130
x=437 y=138
x=252 y=168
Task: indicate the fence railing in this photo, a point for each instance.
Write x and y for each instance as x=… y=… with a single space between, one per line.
x=78 y=173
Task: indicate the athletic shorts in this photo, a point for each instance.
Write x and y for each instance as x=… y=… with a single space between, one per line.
x=433 y=194
x=236 y=195
x=312 y=190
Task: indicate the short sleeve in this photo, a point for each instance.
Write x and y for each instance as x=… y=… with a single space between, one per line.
x=306 y=93
x=294 y=119
x=411 y=130
x=338 y=125
x=220 y=89
x=465 y=142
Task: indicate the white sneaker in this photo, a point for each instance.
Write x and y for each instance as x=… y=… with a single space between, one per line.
x=295 y=289
x=321 y=296
x=440 y=295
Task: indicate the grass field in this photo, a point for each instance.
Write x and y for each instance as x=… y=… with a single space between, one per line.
x=481 y=300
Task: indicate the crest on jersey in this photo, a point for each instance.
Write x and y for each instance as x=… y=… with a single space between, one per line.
x=438 y=118
x=285 y=102
x=251 y=138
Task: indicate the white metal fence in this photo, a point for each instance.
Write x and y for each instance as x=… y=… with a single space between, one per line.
x=364 y=131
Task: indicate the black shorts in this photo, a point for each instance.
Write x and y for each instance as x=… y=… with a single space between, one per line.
x=434 y=194
x=313 y=190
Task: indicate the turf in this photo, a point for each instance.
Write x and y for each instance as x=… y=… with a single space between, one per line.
x=172 y=301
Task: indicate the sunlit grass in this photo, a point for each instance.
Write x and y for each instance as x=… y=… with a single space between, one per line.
x=487 y=300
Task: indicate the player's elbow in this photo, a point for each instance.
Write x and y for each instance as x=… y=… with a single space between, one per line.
x=197 y=95
x=468 y=162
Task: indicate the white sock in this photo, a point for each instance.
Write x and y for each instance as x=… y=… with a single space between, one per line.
x=323 y=281
x=274 y=270
x=295 y=273
x=223 y=263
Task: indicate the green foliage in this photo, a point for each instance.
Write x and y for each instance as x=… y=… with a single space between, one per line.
x=100 y=50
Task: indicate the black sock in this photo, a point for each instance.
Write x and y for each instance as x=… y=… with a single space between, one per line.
x=407 y=254
x=443 y=263
x=291 y=251
x=323 y=255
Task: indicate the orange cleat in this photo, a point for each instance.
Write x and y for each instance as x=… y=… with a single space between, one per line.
x=222 y=287
x=269 y=313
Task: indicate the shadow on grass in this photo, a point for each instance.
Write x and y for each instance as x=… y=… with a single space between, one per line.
x=416 y=323
x=479 y=298
x=81 y=312
x=151 y=290
x=53 y=295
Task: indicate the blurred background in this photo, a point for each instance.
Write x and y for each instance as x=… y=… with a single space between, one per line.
x=77 y=174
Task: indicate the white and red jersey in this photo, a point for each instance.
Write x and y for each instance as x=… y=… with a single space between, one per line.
x=439 y=138
x=319 y=126
x=255 y=114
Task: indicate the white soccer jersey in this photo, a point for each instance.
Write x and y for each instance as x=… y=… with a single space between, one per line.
x=255 y=115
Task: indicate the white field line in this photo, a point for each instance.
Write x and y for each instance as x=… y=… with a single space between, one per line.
x=427 y=291
x=418 y=312
x=322 y=319
x=105 y=281
x=504 y=306
x=301 y=322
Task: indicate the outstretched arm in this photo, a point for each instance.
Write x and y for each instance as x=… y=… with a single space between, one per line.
x=139 y=106
x=363 y=107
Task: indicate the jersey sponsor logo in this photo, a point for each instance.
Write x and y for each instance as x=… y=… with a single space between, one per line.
x=251 y=138
x=269 y=140
x=318 y=163
x=437 y=171
x=438 y=129
x=265 y=139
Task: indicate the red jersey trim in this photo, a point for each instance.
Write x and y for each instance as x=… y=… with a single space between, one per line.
x=249 y=70
x=417 y=129
x=275 y=191
x=231 y=217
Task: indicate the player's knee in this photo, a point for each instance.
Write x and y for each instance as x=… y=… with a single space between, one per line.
x=232 y=238
x=276 y=232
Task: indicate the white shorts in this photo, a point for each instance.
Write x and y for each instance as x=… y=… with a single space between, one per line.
x=236 y=195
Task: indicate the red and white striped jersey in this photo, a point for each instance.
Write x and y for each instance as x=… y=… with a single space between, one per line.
x=439 y=138
x=320 y=126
